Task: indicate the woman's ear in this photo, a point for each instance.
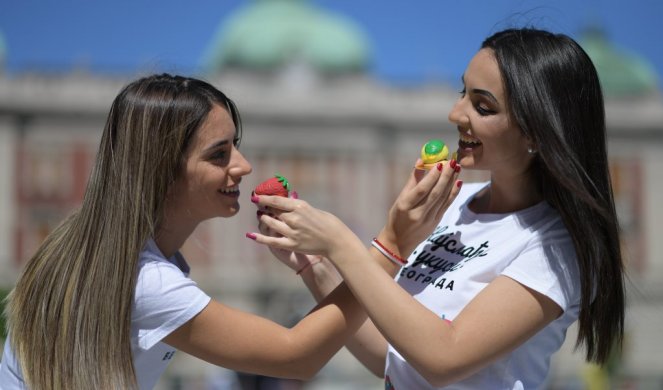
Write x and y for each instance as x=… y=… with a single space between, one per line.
x=531 y=149
x=530 y=145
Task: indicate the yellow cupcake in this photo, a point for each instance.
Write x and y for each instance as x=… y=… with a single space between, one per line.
x=433 y=152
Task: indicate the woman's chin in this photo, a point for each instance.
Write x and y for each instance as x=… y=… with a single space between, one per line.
x=228 y=212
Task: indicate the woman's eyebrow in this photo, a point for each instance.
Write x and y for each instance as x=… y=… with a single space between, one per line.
x=216 y=145
x=486 y=94
x=482 y=92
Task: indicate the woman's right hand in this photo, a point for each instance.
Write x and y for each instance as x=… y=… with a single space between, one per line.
x=420 y=206
x=299 y=227
x=293 y=260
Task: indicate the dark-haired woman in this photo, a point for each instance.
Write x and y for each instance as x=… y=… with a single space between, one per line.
x=487 y=298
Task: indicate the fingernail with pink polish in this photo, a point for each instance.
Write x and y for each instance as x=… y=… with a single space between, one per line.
x=254 y=198
x=295 y=195
x=251 y=236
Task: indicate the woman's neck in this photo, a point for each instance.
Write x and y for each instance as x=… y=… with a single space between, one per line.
x=170 y=237
x=506 y=196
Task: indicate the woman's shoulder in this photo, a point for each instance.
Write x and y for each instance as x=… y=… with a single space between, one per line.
x=151 y=257
x=161 y=281
x=156 y=272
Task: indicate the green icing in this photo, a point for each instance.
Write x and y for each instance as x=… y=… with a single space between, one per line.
x=434 y=146
x=283 y=181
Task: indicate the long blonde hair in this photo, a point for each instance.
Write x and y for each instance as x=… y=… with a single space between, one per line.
x=69 y=314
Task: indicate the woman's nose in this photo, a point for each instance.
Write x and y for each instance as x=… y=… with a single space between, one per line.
x=240 y=165
x=457 y=114
x=454 y=114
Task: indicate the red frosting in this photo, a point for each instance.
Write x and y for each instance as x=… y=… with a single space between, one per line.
x=277 y=185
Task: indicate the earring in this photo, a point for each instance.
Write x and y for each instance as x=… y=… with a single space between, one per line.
x=531 y=150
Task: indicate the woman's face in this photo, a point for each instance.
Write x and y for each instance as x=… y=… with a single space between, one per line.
x=488 y=138
x=209 y=185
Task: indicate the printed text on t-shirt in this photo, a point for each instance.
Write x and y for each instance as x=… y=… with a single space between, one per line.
x=429 y=261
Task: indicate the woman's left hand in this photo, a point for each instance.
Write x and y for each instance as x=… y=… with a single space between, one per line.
x=420 y=205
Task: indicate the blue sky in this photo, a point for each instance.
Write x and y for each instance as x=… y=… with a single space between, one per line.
x=412 y=42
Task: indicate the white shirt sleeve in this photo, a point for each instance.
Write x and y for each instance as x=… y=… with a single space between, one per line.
x=11 y=377
x=549 y=266
x=165 y=299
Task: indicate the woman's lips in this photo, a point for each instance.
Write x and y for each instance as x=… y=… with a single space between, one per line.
x=467 y=145
x=230 y=194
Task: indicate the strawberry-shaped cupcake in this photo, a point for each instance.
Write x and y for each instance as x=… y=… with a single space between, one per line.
x=277 y=185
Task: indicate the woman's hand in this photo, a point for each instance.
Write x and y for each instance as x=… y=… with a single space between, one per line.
x=420 y=205
x=293 y=260
x=294 y=225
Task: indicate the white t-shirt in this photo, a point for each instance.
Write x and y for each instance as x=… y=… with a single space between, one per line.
x=165 y=299
x=463 y=255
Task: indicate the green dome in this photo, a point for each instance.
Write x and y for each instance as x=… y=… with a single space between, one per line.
x=268 y=34
x=622 y=73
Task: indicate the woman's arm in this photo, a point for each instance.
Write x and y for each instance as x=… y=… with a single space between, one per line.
x=502 y=317
x=422 y=199
x=370 y=348
x=321 y=278
x=245 y=342
x=367 y=344
x=499 y=319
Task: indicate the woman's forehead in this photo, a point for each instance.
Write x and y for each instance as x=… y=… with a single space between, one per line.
x=218 y=124
x=483 y=72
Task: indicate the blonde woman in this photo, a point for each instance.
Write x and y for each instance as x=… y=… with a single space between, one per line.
x=106 y=300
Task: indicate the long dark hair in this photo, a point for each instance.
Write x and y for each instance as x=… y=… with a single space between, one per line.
x=70 y=312
x=554 y=96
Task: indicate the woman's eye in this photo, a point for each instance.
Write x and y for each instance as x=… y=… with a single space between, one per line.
x=218 y=155
x=482 y=110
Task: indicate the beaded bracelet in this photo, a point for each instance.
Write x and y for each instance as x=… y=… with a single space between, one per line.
x=394 y=258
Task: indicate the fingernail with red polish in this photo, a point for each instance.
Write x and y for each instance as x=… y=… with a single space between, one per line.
x=459 y=183
x=453 y=164
x=254 y=198
x=251 y=236
x=457 y=169
x=439 y=166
